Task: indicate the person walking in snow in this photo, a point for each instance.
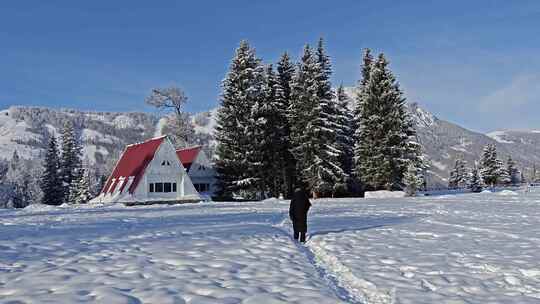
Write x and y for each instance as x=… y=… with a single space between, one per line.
x=298 y=213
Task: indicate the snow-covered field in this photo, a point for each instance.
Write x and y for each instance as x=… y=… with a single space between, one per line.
x=474 y=248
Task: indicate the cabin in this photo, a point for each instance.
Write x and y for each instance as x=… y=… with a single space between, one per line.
x=199 y=169
x=147 y=173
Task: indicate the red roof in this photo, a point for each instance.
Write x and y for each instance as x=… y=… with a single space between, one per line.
x=188 y=156
x=133 y=162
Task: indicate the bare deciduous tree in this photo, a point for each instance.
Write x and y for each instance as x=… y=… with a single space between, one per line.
x=172 y=100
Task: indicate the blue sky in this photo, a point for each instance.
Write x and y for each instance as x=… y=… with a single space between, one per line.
x=475 y=63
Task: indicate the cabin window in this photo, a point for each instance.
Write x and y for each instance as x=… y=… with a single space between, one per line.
x=202 y=187
x=162 y=187
x=165 y=163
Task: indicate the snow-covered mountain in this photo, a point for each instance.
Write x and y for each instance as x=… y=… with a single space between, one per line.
x=105 y=134
x=443 y=141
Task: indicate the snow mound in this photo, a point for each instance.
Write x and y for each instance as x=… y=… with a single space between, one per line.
x=485 y=191
x=39 y=208
x=273 y=200
x=384 y=194
x=507 y=193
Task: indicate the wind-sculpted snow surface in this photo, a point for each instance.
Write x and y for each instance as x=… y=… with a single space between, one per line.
x=220 y=253
x=477 y=248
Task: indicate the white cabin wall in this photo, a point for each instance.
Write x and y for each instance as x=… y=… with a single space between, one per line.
x=173 y=173
x=203 y=176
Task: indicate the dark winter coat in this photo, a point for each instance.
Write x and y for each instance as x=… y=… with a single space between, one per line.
x=298 y=210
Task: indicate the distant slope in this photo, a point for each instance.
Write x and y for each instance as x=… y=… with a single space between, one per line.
x=104 y=136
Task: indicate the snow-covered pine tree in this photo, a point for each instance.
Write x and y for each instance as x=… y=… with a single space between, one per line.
x=313 y=134
x=489 y=166
x=80 y=189
x=385 y=138
x=73 y=190
x=345 y=134
x=51 y=181
x=513 y=172
x=270 y=138
x=360 y=104
x=476 y=184
x=503 y=176
x=412 y=180
x=17 y=177
x=367 y=63
x=70 y=158
x=535 y=175
x=242 y=88
x=285 y=72
x=332 y=125
x=458 y=175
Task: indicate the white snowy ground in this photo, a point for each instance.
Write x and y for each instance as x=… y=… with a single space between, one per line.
x=476 y=248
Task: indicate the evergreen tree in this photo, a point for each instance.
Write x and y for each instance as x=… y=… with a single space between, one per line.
x=51 y=181
x=412 y=180
x=513 y=172
x=313 y=134
x=503 y=176
x=360 y=103
x=385 y=137
x=236 y=163
x=458 y=175
x=285 y=72
x=345 y=134
x=18 y=177
x=70 y=159
x=476 y=183
x=535 y=175
x=270 y=138
x=367 y=63
x=333 y=126
x=80 y=189
x=489 y=166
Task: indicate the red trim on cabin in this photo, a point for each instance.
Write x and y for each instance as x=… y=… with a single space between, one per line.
x=188 y=156
x=133 y=162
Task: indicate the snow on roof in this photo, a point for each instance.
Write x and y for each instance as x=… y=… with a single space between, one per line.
x=188 y=155
x=133 y=162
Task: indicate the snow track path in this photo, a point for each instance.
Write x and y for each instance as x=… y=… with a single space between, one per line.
x=358 y=290
x=339 y=278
